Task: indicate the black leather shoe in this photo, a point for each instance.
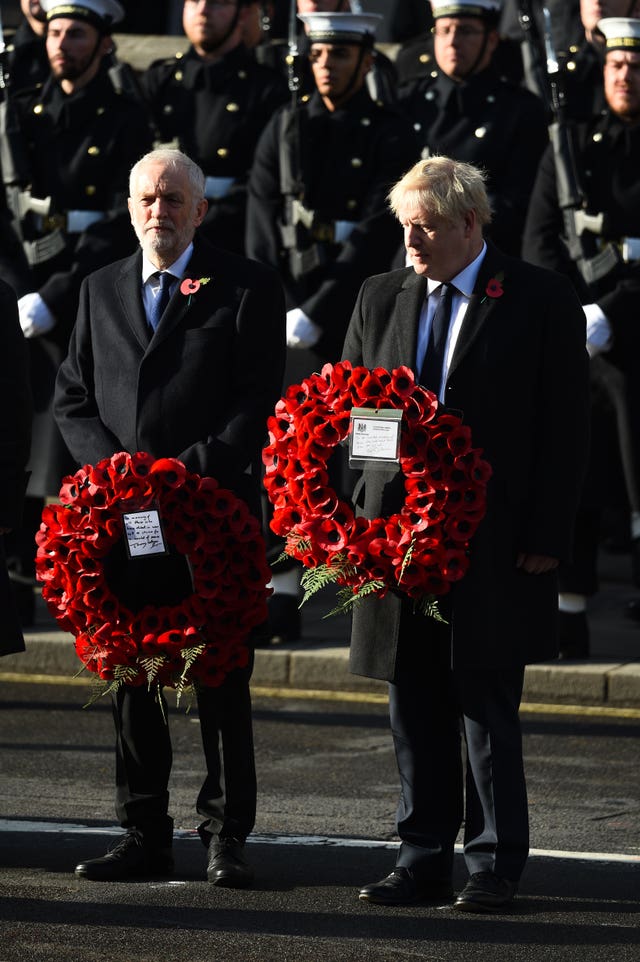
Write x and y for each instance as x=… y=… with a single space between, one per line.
x=227 y=865
x=573 y=635
x=400 y=888
x=129 y=858
x=486 y=892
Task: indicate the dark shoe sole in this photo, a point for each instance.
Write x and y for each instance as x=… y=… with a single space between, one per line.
x=482 y=907
x=445 y=895
x=229 y=882
x=153 y=872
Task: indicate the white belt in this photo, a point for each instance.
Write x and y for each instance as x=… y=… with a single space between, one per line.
x=217 y=187
x=343 y=230
x=79 y=220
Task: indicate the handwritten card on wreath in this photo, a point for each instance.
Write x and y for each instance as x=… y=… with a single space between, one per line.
x=143 y=533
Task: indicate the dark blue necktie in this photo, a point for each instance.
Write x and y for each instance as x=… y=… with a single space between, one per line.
x=431 y=371
x=161 y=298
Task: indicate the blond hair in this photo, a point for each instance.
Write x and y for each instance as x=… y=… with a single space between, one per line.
x=443 y=186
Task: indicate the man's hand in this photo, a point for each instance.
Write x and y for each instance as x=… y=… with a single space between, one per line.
x=35 y=316
x=301 y=331
x=536 y=564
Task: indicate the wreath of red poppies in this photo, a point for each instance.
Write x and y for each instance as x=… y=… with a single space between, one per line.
x=423 y=548
x=197 y=641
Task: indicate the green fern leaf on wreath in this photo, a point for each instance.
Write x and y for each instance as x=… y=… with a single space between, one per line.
x=407 y=558
x=348 y=598
x=428 y=606
x=152 y=666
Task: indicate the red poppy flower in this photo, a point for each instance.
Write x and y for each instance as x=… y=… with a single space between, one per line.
x=494 y=288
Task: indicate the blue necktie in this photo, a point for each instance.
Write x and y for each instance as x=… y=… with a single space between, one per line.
x=431 y=371
x=161 y=299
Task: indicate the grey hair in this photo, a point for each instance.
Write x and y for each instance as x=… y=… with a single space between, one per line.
x=445 y=187
x=176 y=160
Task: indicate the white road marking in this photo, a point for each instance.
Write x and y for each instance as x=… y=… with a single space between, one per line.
x=71 y=828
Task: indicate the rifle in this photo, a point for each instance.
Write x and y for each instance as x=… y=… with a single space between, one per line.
x=16 y=176
x=532 y=54
x=578 y=224
x=13 y=157
x=293 y=54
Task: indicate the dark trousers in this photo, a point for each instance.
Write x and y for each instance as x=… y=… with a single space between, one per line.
x=227 y=799
x=430 y=706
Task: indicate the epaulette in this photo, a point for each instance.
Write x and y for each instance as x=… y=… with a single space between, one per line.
x=167 y=61
x=25 y=93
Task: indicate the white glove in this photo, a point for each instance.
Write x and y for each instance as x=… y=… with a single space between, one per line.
x=35 y=316
x=599 y=334
x=301 y=331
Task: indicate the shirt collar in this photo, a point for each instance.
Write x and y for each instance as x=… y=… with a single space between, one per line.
x=465 y=281
x=177 y=268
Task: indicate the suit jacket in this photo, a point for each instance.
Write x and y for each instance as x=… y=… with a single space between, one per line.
x=519 y=378
x=200 y=389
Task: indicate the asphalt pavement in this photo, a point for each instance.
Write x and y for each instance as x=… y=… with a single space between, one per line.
x=609 y=678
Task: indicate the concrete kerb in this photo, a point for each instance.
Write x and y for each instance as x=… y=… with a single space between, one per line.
x=611 y=684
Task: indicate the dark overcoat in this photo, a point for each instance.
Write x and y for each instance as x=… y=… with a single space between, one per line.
x=519 y=377
x=200 y=390
x=15 y=432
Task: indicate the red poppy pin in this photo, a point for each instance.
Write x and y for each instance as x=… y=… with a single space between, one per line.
x=191 y=285
x=494 y=287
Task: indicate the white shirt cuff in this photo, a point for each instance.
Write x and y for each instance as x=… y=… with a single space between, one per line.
x=599 y=336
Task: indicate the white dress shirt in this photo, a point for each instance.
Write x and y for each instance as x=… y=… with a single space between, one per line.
x=150 y=285
x=464 y=282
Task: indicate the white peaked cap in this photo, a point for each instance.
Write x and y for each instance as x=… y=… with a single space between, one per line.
x=341 y=27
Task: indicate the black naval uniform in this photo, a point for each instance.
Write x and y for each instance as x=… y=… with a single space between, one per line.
x=607 y=159
x=78 y=151
x=489 y=122
x=346 y=161
x=28 y=63
x=216 y=112
x=581 y=69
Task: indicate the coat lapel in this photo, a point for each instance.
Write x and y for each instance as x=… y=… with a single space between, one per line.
x=405 y=322
x=481 y=306
x=129 y=290
x=200 y=266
